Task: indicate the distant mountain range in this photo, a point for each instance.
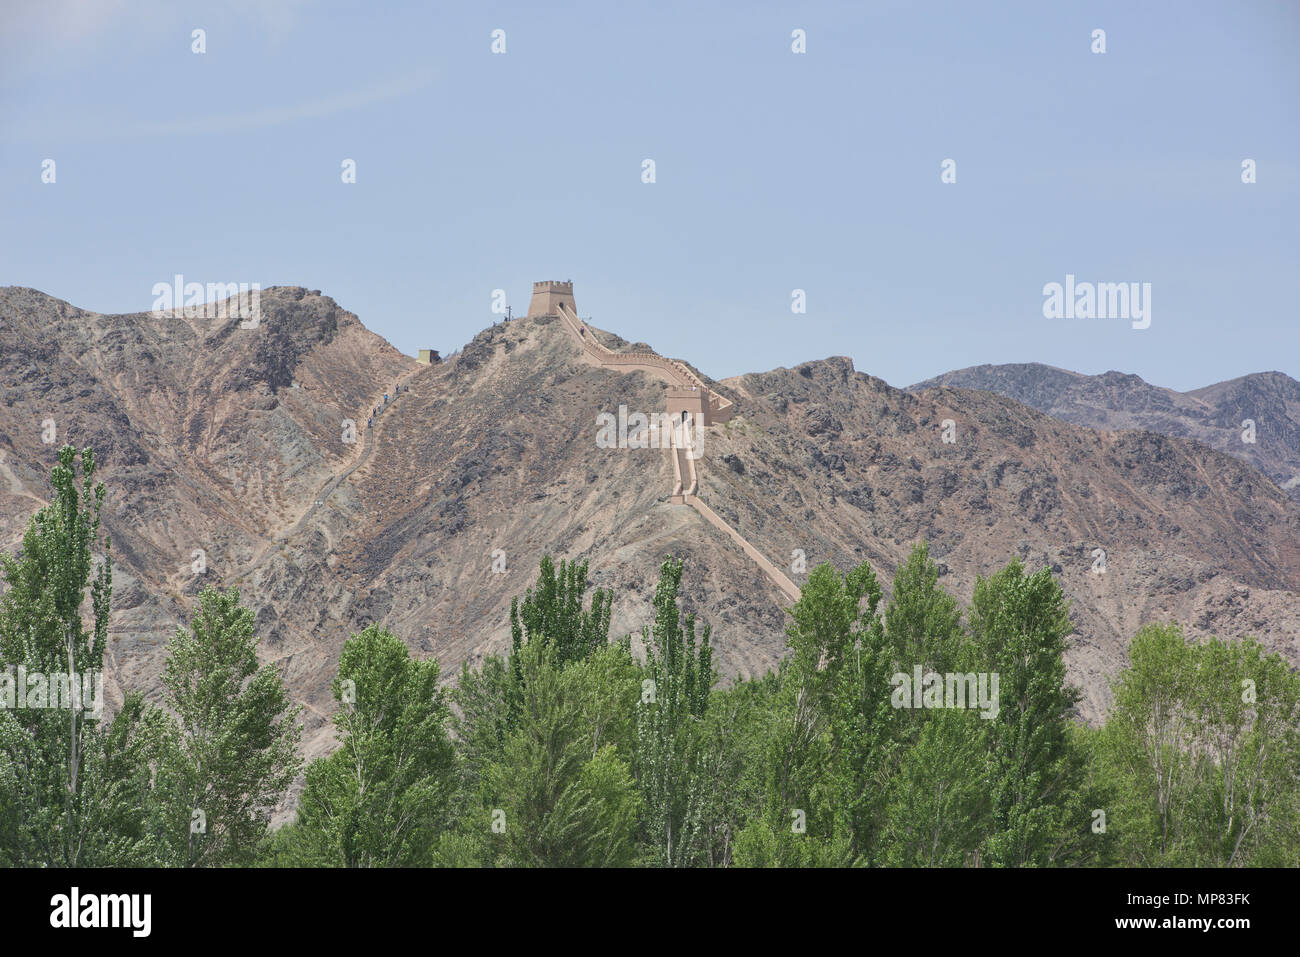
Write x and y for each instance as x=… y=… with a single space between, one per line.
x=232 y=441
x=1219 y=415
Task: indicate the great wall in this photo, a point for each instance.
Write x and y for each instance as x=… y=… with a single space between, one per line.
x=691 y=405
x=690 y=402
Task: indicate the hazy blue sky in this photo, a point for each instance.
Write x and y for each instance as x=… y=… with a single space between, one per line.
x=775 y=171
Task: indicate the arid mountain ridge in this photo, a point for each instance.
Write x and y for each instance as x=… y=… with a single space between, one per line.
x=222 y=439
x=1255 y=418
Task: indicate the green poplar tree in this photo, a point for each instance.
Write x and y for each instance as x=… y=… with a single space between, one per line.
x=1040 y=815
x=384 y=797
x=1148 y=742
x=922 y=621
x=1203 y=742
x=552 y=611
x=678 y=675
x=565 y=799
x=230 y=753
x=68 y=802
x=829 y=740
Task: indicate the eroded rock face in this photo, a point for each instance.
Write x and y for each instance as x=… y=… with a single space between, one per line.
x=223 y=439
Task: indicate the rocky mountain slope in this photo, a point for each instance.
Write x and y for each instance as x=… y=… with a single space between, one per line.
x=1213 y=416
x=224 y=439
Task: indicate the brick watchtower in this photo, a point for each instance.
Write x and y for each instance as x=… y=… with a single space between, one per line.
x=549 y=296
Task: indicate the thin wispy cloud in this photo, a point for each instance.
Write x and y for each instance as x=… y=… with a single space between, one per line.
x=98 y=127
x=37 y=28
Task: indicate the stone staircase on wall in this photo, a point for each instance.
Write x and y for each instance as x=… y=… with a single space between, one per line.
x=677 y=373
x=685 y=478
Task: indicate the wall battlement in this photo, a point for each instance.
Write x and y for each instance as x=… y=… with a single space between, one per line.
x=549 y=295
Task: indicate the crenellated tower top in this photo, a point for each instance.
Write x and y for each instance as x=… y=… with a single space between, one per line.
x=549 y=295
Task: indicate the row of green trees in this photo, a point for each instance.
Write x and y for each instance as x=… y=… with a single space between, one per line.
x=575 y=750
x=190 y=783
